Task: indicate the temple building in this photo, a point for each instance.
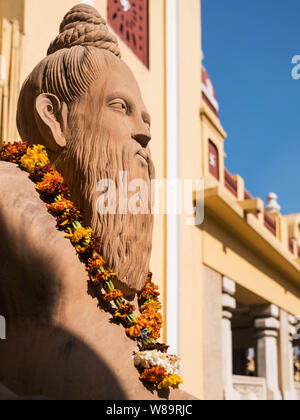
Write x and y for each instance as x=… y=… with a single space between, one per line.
x=230 y=285
x=250 y=279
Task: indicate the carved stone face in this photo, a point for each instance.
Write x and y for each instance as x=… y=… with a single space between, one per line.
x=126 y=119
x=108 y=134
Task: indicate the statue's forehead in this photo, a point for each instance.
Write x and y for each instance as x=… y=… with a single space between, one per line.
x=121 y=77
x=120 y=80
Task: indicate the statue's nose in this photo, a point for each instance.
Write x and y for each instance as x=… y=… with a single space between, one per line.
x=142 y=138
x=142 y=133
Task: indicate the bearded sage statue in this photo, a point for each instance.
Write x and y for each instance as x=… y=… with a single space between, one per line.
x=84 y=105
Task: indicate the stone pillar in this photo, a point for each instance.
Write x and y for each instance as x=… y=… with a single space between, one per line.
x=228 y=306
x=267 y=327
x=286 y=363
x=212 y=337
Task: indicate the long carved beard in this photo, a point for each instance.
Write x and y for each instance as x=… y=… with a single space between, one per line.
x=126 y=238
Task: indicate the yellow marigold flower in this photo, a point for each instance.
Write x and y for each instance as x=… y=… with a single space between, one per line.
x=80 y=249
x=35 y=154
x=171 y=381
x=151 y=304
x=113 y=295
x=134 y=332
x=95 y=263
x=81 y=234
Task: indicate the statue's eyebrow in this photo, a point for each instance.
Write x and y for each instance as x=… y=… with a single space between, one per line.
x=119 y=95
x=146 y=117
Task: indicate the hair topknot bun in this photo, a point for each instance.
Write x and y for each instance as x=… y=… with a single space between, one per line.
x=84 y=26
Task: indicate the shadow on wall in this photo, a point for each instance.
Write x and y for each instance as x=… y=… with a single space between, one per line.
x=63 y=368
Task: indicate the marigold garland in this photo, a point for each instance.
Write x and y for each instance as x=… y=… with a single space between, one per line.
x=146 y=328
x=13 y=152
x=155 y=375
x=34 y=156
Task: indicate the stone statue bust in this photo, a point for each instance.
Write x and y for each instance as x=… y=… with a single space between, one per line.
x=84 y=105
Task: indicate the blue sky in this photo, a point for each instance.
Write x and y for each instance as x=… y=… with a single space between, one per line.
x=248 y=47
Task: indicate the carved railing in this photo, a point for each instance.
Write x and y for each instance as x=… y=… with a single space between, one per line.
x=248 y=388
x=231 y=183
x=270 y=224
x=275 y=223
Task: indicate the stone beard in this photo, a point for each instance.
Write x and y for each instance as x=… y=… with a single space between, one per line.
x=92 y=155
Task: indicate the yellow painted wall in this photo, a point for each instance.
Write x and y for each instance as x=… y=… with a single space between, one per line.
x=13 y=10
x=226 y=254
x=191 y=288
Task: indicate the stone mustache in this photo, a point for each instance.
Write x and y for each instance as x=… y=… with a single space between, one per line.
x=83 y=103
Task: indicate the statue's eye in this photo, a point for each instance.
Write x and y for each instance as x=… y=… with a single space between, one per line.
x=119 y=105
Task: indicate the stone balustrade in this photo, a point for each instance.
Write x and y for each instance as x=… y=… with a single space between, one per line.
x=248 y=388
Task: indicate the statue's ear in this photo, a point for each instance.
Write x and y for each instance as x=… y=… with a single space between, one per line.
x=51 y=117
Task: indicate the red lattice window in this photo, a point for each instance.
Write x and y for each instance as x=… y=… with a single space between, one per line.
x=130 y=20
x=213 y=156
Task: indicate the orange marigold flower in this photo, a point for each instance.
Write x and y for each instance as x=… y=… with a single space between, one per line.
x=150 y=292
x=152 y=315
x=113 y=295
x=104 y=275
x=60 y=206
x=151 y=320
x=134 y=332
x=127 y=308
x=95 y=247
x=80 y=249
x=52 y=185
x=123 y=311
x=95 y=263
x=143 y=323
x=65 y=219
x=155 y=332
x=39 y=172
x=13 y=152
x=154 y=375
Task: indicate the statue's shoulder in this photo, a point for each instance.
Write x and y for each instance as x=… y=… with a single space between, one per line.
x=19 y=200
x=25 y=220
x=13 y=179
